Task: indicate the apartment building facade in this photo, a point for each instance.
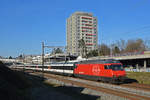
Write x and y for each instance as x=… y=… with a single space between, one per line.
x=81 y=25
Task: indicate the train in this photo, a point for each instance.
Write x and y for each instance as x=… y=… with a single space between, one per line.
x=108 y=70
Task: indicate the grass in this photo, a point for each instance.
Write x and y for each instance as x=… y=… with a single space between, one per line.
x=141 y=77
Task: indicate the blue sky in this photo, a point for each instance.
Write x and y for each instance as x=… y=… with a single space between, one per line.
x=24 y=24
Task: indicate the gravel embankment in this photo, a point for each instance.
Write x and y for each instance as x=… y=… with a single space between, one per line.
x=95 y=95
x=56 y=90
x=52 y=89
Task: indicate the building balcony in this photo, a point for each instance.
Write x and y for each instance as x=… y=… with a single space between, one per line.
x=87 y=27
x=89 y=43
x=87 y=18
x=88 y=24
x=91 y=34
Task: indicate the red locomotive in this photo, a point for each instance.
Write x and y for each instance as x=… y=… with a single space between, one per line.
x=102 y=70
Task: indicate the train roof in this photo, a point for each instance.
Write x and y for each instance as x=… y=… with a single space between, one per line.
x=99 y=61
x=103 y=61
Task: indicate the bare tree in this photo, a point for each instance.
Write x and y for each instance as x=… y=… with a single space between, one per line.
x=116 y=50
x=135 y=45
x=104 y=50
x=92 y=53
x=83 y=49
x=147 y=44
x=122 y=45
x=57 y=50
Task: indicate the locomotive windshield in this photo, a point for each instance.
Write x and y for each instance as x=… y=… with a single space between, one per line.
x=114 y=67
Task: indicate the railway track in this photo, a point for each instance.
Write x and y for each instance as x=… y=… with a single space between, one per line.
x=138 y=86
x=144 y=87
x=87 y=84
x=127 y=91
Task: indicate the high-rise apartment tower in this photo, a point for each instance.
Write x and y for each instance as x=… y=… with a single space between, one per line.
x=81 y=25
